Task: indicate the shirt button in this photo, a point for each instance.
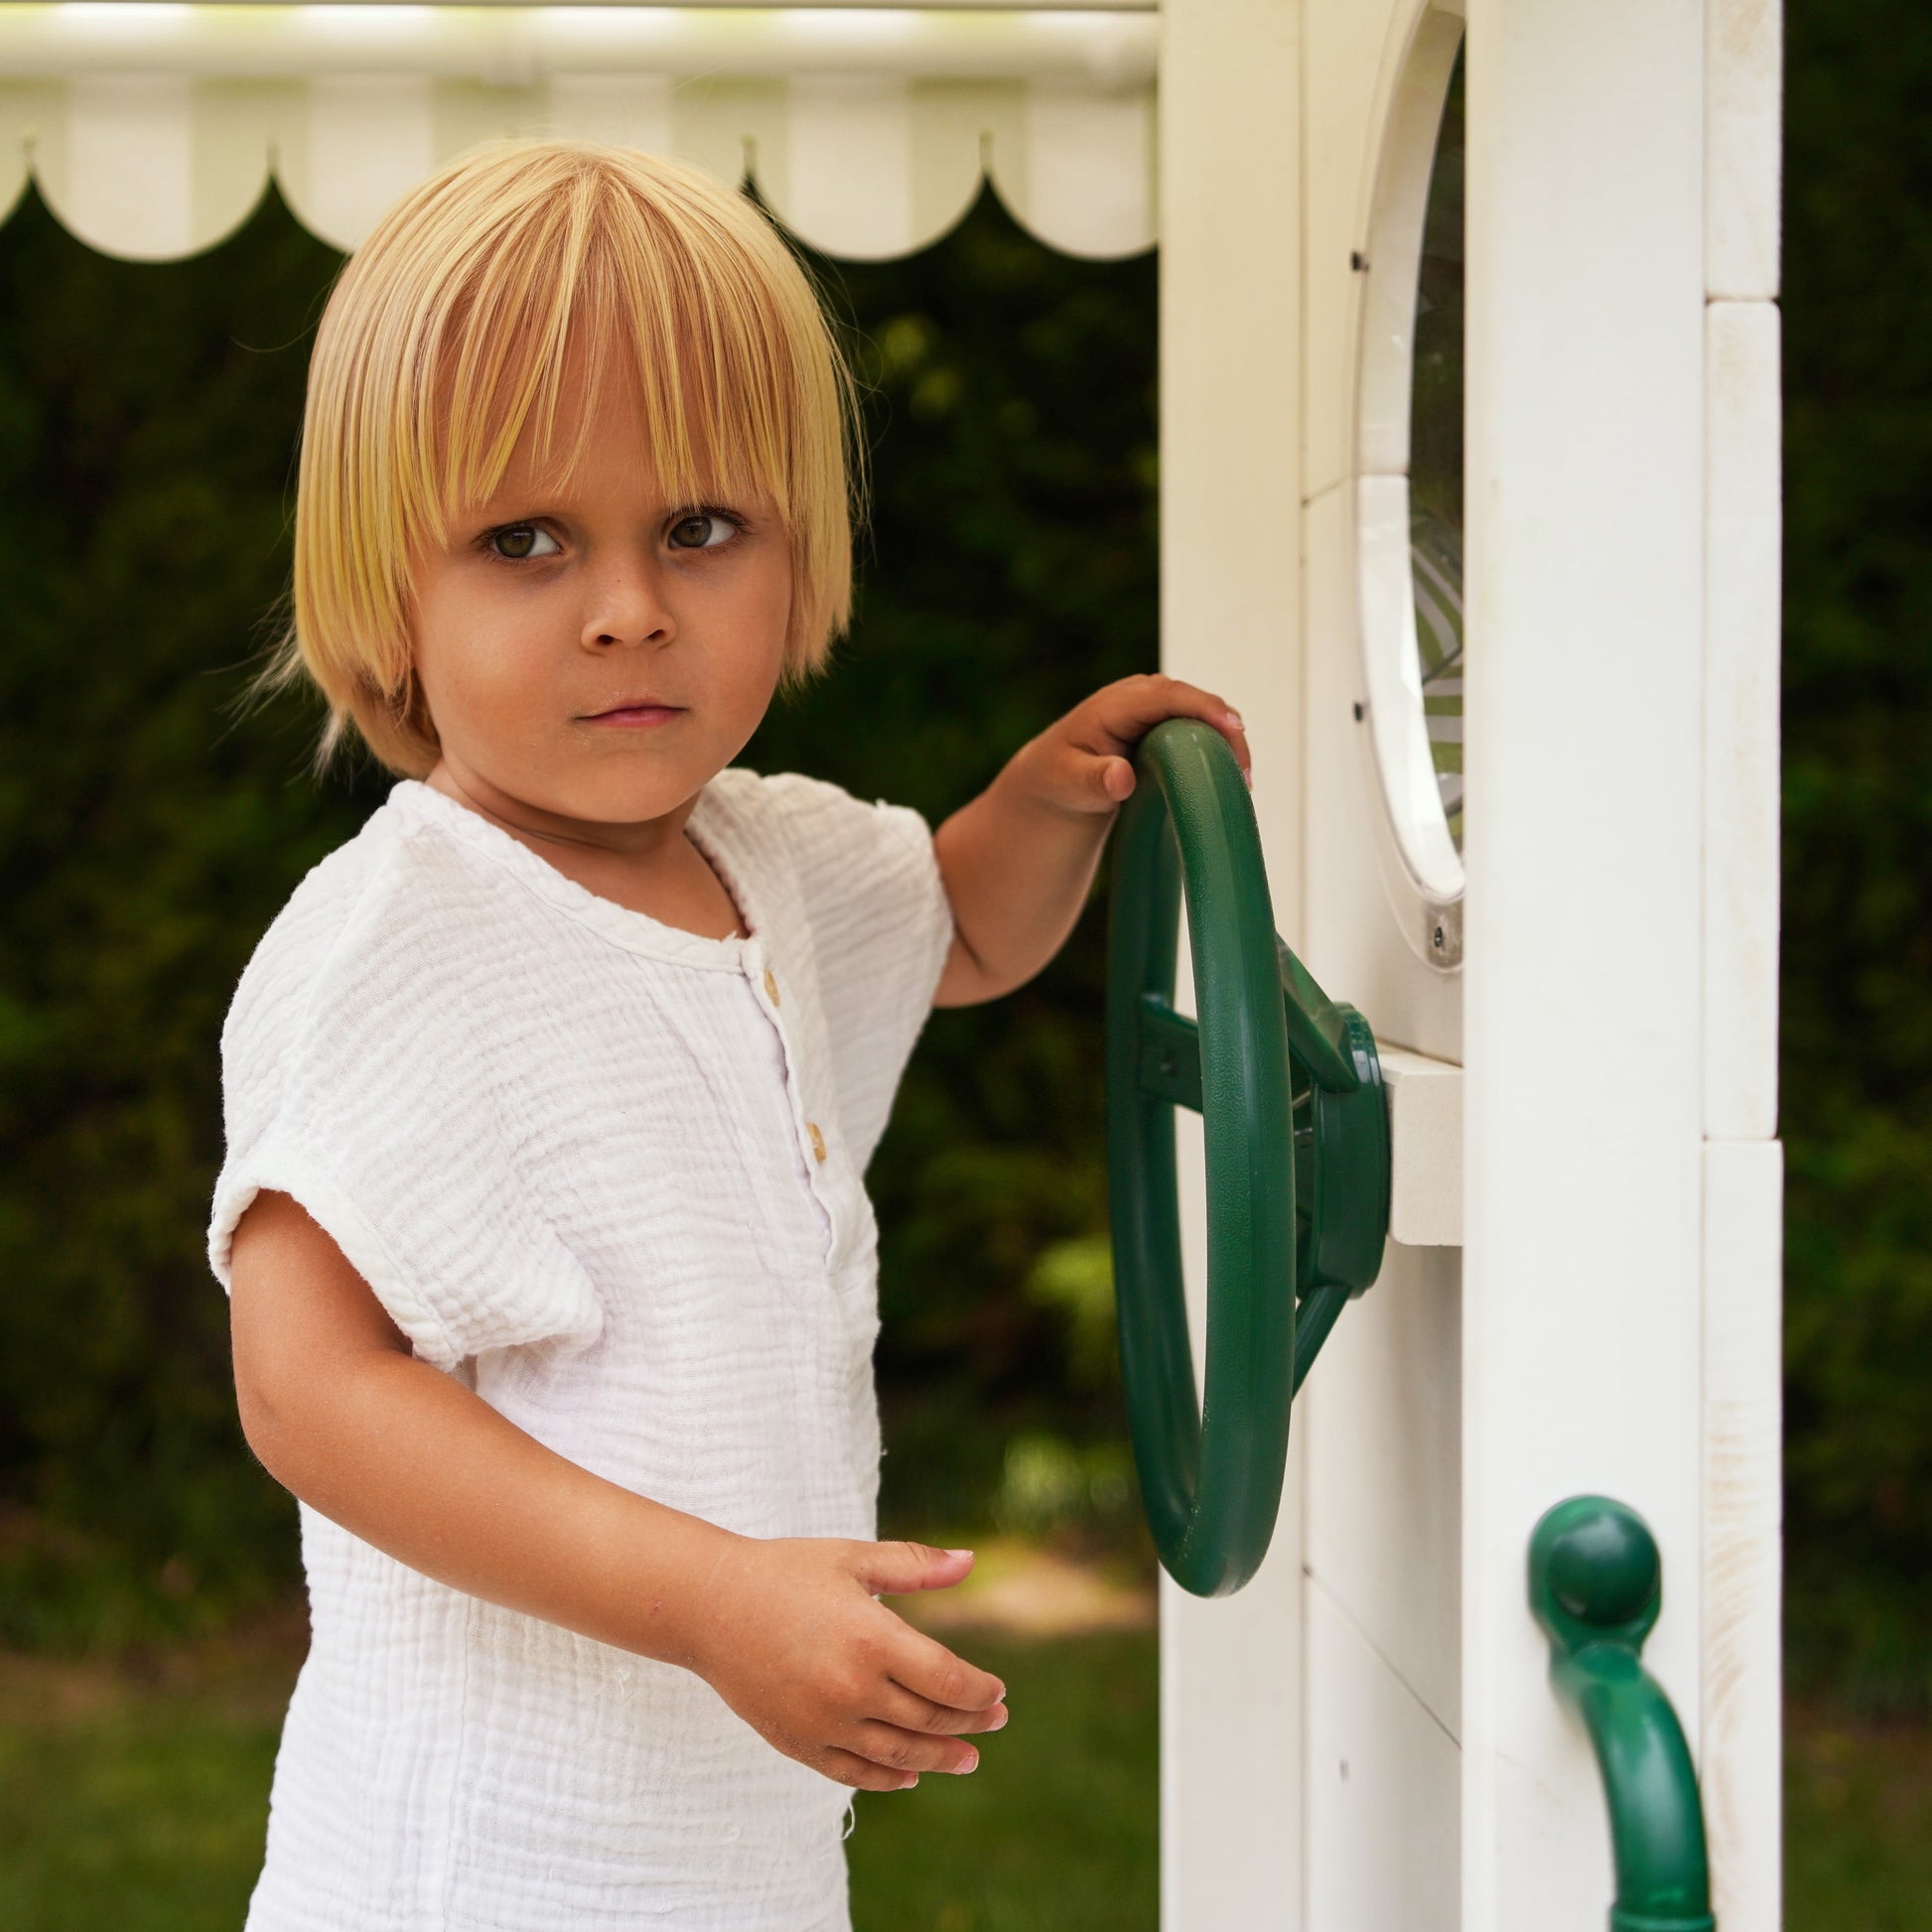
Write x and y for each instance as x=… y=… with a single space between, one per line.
x=818 y=1140
x=771 y=986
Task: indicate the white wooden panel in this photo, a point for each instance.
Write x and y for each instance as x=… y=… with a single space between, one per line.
x=1382 y=1790
x=1343 y=57
x=1425 y=1099
x=1742 y=147
x=1231 y=1669
x=1382 y=1418
x=237 y=125
x=1089 y=183
x=1743 y=1199
x=127 y=187
x=368 y=142
x=354 y=104
x=849 y=174
x=737 y=130
x=1585 y=739
x=1354 y=945
x=634 y=110
x=1743 y=538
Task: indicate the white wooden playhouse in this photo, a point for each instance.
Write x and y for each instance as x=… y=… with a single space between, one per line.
x=1469 y=473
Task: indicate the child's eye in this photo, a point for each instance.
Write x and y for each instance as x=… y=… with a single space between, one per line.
x=518 y=542
x=704 y=530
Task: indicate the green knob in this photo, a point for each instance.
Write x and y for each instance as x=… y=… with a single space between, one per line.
x=1596 y=1584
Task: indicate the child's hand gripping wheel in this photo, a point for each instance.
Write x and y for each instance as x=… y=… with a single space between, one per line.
x=1289 y=1093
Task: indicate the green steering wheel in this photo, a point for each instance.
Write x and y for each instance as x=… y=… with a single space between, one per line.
x=1289 y=1092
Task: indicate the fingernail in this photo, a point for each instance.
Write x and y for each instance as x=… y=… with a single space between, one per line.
x=971 y=1764
x=1234 y=719
x=1247 y=773
x=1002 y=1723
x=959 y=1553
x=910 y=1783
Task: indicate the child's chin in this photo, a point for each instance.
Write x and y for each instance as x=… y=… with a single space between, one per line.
x=633 y=783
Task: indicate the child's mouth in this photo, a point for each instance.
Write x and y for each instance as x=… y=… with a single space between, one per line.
x=636 y=716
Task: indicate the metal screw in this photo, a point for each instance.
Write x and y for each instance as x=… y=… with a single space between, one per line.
x=1358 y=713
x=1357 y=261
x=1439 y=939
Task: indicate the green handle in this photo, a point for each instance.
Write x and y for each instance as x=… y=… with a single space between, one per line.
x=1596 y=1587
x=1295 y=1130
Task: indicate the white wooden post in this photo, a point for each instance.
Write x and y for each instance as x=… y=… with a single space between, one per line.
x=1230 y=496
x=1583 y=992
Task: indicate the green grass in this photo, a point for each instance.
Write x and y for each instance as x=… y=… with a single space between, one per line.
x=142 y=1811
x=1057 y=1830
x=1857 y=1824
x=137 y=1804
x=141 y=1806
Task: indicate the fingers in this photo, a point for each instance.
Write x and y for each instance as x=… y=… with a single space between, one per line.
x=888 y=1568
x=1129 y=709
x=911 y=1750
x=848 y=1767
x=910 y=1712
x=930 y=1670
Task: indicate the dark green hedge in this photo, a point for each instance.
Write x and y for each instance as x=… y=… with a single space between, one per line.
x=1857 y=949
x=147 y=418
x=148 y=833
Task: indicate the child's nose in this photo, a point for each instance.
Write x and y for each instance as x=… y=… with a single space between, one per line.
x=627 y=606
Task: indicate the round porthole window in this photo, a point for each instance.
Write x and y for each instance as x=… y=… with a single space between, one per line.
x=1409 y=492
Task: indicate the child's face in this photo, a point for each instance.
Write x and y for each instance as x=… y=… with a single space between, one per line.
x=599 y=653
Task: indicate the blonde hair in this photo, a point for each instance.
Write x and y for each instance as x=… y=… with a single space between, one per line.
x=452 y=323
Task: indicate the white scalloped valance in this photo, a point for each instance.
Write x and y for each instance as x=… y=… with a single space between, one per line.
x=152 y=129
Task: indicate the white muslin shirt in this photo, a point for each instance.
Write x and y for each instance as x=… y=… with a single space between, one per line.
x=609 y=1173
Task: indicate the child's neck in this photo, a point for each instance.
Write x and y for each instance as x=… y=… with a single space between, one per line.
x=651 y=867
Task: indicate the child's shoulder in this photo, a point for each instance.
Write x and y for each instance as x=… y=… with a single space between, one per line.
x=808 y=819
x=399 y=893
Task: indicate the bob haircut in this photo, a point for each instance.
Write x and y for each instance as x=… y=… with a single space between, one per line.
x=451 y=325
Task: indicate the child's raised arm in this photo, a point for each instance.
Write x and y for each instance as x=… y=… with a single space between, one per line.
x=786 y=1631
x=1018 y=858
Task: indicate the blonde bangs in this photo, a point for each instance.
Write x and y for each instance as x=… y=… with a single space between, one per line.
x=454 y=328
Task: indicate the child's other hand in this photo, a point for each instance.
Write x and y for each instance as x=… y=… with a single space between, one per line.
x=797 y=1644
x=1084 y=762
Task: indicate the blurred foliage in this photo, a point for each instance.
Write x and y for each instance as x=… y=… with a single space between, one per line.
x=148 y=833
x=1858 y=913
x=147 y=423
x=147 y=419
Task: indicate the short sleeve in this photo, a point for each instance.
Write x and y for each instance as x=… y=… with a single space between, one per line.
x=357 y=1077
x=882 y=928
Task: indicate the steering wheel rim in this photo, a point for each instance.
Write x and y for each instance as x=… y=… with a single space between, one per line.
x=1210 y=1477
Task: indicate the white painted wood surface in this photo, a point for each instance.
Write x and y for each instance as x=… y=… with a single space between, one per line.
x=1382 y=1422
x=1343 y=69
x=1743 y=146
x=1381 y=1418
x=1742 y=633
x=1231 y=1809
x=153 y=129
x=1743 y=1187
x=1380 y=1766
x=1583 y=708
x=1425 y=1148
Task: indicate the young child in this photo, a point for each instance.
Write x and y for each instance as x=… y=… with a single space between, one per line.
x=550 y=1094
